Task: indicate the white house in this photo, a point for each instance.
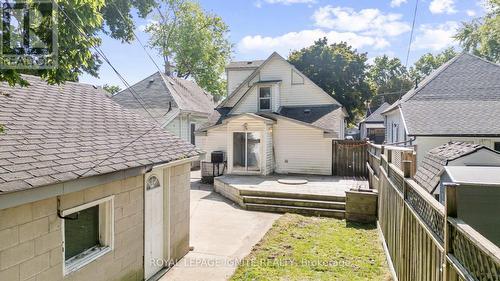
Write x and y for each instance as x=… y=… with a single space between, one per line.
x=88 y=189
x=460 y=101
x=274 y=120
x=373 y=126
x=179 y=105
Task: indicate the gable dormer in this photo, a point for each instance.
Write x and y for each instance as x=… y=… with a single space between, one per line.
x=272 y=84
x=238 y=71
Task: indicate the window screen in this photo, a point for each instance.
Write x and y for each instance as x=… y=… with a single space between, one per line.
x=81 y=231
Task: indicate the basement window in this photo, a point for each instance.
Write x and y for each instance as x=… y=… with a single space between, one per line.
x=88 y=233
x=497 y=146
x=264 y=98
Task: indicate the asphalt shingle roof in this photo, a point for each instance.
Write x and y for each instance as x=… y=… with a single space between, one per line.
x=57 y=133
x=245 y=64
x=323 y=116
x=160 y=94
x=462 y=97
x=429 y=172
x=376 y=116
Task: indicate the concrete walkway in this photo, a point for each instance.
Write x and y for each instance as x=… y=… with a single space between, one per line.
x=221 y=233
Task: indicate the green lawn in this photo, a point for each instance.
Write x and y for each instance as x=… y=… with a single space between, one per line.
x=311 y=248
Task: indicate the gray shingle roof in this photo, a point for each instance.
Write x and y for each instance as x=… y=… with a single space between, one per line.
x=323 y=116
x=376 y=116
x=245 y=64
x=462 y=97
x=429 y=172
x=160 y=94
x=57 y=133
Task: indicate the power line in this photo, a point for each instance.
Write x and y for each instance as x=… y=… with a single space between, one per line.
x=137 y=38
x=410 y=41
x=103 y=55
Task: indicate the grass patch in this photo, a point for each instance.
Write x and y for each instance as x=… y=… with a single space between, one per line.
x=311 y=248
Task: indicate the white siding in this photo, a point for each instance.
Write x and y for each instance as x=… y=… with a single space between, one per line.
x=215 y=140
x=394 y=128
x=293 y=94
x=301 y=149
x=424 y=144
x=181 y=125
x=269 y=151
x=235 y=77
x=249 y=103
x=290 y=94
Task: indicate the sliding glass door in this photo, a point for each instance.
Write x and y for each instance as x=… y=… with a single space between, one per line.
x=246 y=151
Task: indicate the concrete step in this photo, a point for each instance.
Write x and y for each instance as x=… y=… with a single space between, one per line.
x=295 y=202
x=339 y=214
x=277 y=194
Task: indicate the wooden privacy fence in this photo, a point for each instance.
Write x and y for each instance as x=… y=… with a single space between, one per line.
x=349 y=158
x=425 y=240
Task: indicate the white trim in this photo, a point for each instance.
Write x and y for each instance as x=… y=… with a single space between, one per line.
x=106 y=234
x=178 y=162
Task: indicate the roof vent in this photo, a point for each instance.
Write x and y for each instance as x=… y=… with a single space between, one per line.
x=249 y=62
x=307 y=111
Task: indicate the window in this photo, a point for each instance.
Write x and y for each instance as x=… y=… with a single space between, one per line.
x=264 y=98
x=88 y=233
x=497 y=146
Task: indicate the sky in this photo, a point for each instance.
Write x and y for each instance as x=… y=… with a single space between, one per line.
x=259 y=27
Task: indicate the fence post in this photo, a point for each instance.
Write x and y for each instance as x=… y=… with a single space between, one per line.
x=389 y=156
x=450 y=200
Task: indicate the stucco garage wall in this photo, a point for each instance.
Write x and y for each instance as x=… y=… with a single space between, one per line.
x=301 y=149
x=31 y=236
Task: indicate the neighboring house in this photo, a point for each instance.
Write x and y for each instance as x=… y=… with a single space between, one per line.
x=179 y=105
x=274 y=120
x=460 y=101
x=478 y=194
x=88 y=189
x=429 y=173
x=373 y=127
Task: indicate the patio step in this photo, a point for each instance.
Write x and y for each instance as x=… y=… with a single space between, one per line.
x=339 y=214
x=289 y=195
x=295 y=202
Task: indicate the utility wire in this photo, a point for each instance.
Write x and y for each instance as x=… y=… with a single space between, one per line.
x=137 y=38
x=410 y=42
x=103 y=55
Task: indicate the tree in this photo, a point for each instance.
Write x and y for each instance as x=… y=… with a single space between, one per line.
x=429 y=62
x=339 y=70
x=76 y=54
x=482 y=36
x=193 y=43
x=389 y=79
x=112 y=89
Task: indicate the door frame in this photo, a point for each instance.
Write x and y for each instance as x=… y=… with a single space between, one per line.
x=261 y=150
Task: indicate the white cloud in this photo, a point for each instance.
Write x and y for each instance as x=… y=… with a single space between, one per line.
x=371 y=22
x=289 y=2
x=397 y=3
x=442 y=6
x=471 y=13
x=436 y=37
x=261 y=46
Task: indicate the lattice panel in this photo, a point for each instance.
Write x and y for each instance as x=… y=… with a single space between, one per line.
x=481 y=266
x=431 y=217
x=396 y=179
x=396 y=159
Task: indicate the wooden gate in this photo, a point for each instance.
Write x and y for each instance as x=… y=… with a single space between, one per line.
x=349 y=158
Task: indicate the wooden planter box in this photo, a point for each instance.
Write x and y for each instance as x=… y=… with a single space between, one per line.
x=361 y=205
